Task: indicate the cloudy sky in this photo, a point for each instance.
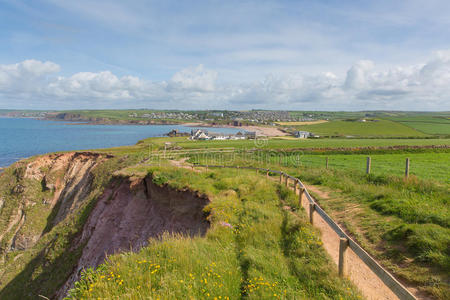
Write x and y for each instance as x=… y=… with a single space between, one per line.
x=306 y=55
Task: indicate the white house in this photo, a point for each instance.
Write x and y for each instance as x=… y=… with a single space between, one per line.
x=303 y=134
x=199 y=135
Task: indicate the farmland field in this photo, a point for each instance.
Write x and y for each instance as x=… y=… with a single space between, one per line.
x=404 y=223
x=370 y=128
x=431 y=166
x=301 y=123
x=279 y=143
x=426 y=124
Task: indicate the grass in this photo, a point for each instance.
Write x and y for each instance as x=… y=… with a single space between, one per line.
x=438 y=125
x=371 y=128
x=279 y=143
x=430 y=166
x=405 y=224
x=253 y=250
x=301 y=123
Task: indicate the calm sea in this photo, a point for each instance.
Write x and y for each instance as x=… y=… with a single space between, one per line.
x=21 y=138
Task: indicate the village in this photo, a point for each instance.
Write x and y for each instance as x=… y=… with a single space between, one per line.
x=204 y=135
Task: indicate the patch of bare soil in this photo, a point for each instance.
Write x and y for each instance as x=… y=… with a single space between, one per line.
x=132 y=212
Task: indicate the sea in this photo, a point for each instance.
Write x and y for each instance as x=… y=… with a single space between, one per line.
x=24 y=137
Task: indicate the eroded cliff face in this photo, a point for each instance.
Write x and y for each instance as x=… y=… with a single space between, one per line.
x=130 y=213
x=49 y=187
x=55 y=220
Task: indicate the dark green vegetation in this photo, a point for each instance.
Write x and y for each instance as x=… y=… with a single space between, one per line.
x=254 y=249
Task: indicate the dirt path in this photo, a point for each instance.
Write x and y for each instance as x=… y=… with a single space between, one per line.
x=368 y=283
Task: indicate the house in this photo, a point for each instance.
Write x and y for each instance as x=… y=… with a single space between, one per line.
x=250 y=135
x=199 y=135
x=303 y=134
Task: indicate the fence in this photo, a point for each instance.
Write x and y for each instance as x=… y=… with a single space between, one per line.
x=280 y=157
x=345 y=241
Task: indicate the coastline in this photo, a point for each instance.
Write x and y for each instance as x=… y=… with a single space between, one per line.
x=260 y=130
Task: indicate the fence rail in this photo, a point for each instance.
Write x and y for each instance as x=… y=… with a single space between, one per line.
x=345 y=241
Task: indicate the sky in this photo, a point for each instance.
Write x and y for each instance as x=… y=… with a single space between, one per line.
x=247 y=54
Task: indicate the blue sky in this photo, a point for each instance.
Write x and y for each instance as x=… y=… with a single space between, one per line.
x=346 y=55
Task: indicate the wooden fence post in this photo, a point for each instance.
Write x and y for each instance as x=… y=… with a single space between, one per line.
x=326 y=162
x=286 y=180
x=343 y=245
x=281 y=177
x=267 y=174
x=369 y=162
x=300 y=196
x=407 y=168
x=312 y=208
x=295 y=187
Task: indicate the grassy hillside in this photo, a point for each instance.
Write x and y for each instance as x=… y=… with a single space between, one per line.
x=371 y=128
x=404 y=223
x=254 y=249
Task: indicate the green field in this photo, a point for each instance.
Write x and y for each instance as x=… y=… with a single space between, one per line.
x=404 y=223
x=275 y=143
x=430 y=166
x=354 y=128
x=427 y=124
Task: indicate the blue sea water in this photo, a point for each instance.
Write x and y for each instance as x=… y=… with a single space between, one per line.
x=21 y=138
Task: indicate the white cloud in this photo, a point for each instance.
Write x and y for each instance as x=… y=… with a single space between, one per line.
x=26 y=76
x=364 y=86
x=198 y=78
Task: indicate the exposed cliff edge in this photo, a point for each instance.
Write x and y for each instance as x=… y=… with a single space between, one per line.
x=61 y=213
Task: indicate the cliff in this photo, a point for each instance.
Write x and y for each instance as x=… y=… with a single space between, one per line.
x=62 y=213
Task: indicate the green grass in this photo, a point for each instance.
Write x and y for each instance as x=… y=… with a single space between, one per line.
x=375 y=128
x=430 y=166
x=274 y=143
x=268 y=253
x=404 y=223
x=439 y=125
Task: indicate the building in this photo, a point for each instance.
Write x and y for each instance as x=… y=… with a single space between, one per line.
x=199 y=134
x=303 y=134
x=250 y=135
